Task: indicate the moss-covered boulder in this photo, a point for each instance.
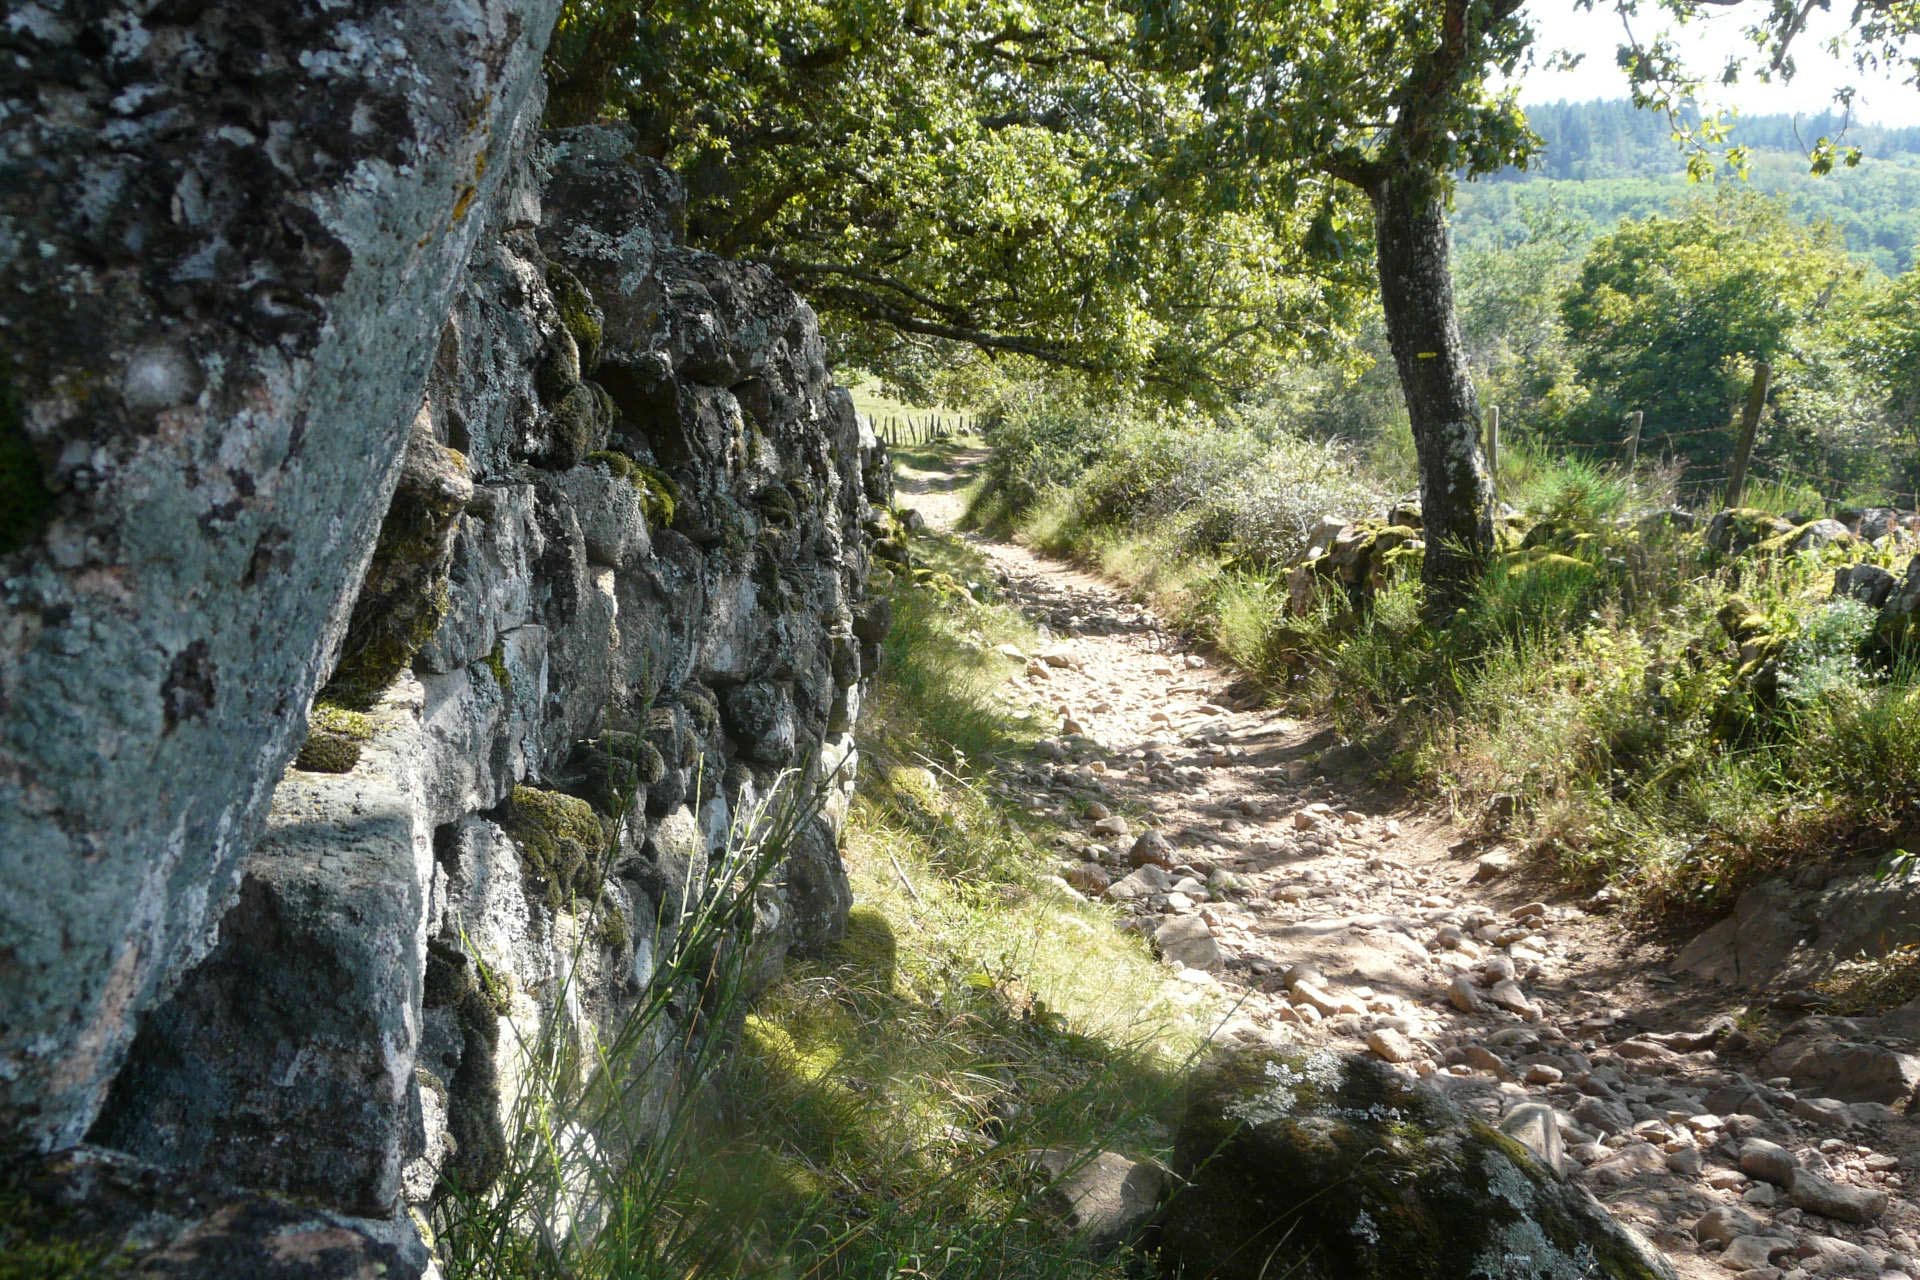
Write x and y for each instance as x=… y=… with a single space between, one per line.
x=1738 y=528
x=1328 y=1167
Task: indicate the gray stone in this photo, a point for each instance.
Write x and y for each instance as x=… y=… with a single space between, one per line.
x=1352 y=1169
x=1849 y=1070
x=241 y=286
x=1722 y=1223
x=1749 y=1253
x=91 y=1204
x=1187 y=942
x=1767 y=1161
x=1836 y=1200
x=284 y=1061
x=1753 y=944
x=1106 y=1199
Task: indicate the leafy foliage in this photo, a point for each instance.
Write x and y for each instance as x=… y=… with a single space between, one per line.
x=992 y=172
x=1669 y=313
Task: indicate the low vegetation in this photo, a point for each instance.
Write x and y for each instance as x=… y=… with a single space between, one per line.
x=888 y=1098
x=1636 y=707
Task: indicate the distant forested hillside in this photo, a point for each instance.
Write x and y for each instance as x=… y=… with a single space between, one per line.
x=1605 y=161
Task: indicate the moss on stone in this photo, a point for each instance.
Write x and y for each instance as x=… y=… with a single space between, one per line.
x=703 y=709
x=496 y=664
x=578 y=426
x=25 y=502
x=777 y=507
x=659 y=495
x=609 y=770
x=611 y=929
x=578 y=312
x=1417 y=1187
x=334 y=735
x=614 y=461
x=384 y=650
x=561 y=842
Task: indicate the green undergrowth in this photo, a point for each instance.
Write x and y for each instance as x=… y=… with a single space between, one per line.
x=878 y=1109
x=893 y=1093
x=1629 y=705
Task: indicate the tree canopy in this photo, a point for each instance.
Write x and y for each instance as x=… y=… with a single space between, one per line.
x=989 y=172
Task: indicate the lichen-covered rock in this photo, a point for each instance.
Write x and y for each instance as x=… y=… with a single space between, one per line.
x=284 y=1061
x=220 y=226
x=92 y=1212
x=1327 y=1167
x=629 y=641
x=1738 y=528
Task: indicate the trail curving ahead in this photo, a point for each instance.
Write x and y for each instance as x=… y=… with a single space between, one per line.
x=1334 y=911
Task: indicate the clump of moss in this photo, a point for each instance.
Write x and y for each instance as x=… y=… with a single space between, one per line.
x=578 y=312
x=702 y=707
x=611 y=929
x=561 y=839
x=607 y=771
x=579 y=424
x=659 y=495
x=777 y=507
x=496 y=665
x=37 y=1242
x=377 y=656
x=404 y=594
x=24 y=499
x=334 y=735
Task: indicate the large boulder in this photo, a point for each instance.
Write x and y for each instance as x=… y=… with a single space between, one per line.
x=1326 y=1167
x=220 y=228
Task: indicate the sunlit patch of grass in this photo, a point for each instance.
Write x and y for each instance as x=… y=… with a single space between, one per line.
x=883 y=1101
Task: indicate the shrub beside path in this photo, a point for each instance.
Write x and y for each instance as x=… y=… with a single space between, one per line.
x=1256 y=855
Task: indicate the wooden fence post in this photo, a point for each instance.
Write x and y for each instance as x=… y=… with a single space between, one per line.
x=1633 y=439
x=1493 y=450
x=1749 y=426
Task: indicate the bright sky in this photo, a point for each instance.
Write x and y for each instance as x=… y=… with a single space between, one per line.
x=1598 y=33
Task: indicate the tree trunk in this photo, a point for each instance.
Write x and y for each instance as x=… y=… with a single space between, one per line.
x=1416 y=292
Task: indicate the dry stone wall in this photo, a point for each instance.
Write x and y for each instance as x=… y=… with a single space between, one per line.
x=391 y=697
x=612 y=613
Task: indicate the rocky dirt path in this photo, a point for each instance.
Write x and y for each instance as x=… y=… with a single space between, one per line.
x=1331 y=912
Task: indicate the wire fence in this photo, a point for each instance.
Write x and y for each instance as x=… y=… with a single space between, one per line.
x=1749 y=460
x=911 y=430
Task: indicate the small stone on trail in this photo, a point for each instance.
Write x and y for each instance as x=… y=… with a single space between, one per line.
x=1114 y=826
x=1461 y=993
x=1768 y=1161
x=1492 y=866
x=1390 y=1045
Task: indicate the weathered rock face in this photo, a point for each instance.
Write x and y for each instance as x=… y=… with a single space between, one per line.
x=1782 y=934
x=616 y=606
x=1316 y=1166
x=220 y=227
